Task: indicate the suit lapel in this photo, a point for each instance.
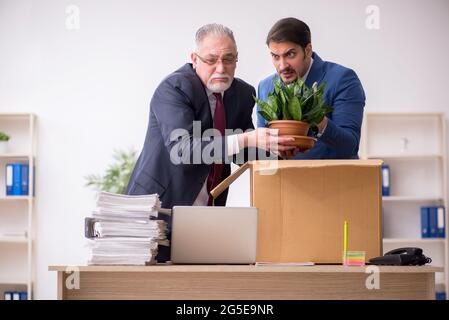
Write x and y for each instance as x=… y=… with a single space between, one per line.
x=230 y=106
x=316 y=73
x=204 y=112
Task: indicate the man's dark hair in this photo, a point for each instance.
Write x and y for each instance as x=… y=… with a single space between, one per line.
x=290 y=30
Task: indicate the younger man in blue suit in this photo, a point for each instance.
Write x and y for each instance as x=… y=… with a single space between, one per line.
x=289 y=41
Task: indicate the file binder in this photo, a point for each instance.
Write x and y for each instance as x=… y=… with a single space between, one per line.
x=9 y=179
x=441 y=223
x=433 y=217
x=433 y=222
x=15 y=295
x=440 y=295
x=425 y=232
x=16 y=179
x=385 y=180
x=24 y=179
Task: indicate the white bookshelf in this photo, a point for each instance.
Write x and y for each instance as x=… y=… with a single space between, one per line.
x=412 y=240
x=411 y=199
x=17 y=263
x=414 y=146
x=16 y=198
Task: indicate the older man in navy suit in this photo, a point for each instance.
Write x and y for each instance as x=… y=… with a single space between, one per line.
x=289 y=42
x=200 y=121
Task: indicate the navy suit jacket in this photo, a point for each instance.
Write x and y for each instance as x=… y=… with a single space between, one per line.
x=345 y=94
x=179 y=100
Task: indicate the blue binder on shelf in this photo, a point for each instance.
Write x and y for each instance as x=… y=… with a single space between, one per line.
x=425 y=232
x=15 y=295
x=23 y=295
x=440 y=295
x=7 y=295
x=385 y=180
x=433 y=219
x=24 y=179
x=16 y=179
x=9 y=179
x=441 y=223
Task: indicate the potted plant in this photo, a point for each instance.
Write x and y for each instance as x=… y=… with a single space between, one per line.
x=117 y=174
x=294 y=108
x=4 y=138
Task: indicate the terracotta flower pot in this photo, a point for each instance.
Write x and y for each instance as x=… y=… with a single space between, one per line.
x=290 y=127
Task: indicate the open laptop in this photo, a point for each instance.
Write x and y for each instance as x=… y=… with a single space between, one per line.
x=213 y=235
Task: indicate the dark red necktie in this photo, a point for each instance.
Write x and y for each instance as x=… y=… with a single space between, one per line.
x=216 y=171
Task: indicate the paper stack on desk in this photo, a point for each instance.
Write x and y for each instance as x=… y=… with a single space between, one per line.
x=125 y=230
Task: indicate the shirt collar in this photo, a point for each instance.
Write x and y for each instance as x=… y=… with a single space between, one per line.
x=210 y=93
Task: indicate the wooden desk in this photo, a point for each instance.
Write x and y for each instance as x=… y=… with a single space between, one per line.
x=245 y=282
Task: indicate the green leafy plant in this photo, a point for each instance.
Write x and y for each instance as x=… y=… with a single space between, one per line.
x=295 y=101
x=117 y=174
x=4 y=136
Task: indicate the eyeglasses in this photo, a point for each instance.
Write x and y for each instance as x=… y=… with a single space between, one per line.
x=212 y=61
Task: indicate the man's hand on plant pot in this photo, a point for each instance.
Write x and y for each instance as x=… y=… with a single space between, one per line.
x=292 y=153
x=322 y=125
x=267 y=139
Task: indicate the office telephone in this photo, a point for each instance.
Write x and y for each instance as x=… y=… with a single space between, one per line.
x=402 y=257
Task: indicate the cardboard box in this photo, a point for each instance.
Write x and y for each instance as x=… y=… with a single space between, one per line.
x=303 y=205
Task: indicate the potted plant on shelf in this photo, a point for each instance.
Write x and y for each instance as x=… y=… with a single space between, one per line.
x=4 y=138
x=117 y=174
x=294 y=109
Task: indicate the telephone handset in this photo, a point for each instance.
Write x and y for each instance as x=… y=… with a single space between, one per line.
x=408 y=250
x=402 y=257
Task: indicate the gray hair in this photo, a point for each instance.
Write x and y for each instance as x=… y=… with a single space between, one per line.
x=214 y=29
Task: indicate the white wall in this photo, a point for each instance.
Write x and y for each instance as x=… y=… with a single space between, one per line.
x=91 y=87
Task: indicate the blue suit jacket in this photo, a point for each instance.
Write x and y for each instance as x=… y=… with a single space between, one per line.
x=345 y=94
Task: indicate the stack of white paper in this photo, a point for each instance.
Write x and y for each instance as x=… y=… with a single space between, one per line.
x=128 y=227
x=112 y=205
x=125 y=230
x=123 y=200
x=124 y=251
